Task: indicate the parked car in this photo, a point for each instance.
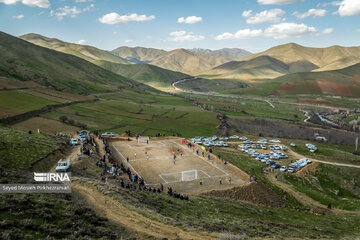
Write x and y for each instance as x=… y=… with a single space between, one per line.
x=292 y=144
x=283 y=168
x=291 y=170
x=74 y=141
x=276 y=165
x=108 y=134
x=63 y=166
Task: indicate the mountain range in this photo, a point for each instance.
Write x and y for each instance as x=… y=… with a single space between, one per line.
x=159 y=68
x=286 y=59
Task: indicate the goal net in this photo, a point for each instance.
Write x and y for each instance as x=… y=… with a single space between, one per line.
x=143 y=140
x=189 y=175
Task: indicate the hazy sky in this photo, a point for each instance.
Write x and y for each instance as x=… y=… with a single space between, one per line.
x=254 y=25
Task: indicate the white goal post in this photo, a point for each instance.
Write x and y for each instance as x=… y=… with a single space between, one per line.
x=189 y=175
x=143 y=139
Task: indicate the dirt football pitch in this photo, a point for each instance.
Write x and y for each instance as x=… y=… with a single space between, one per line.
x=184 y=175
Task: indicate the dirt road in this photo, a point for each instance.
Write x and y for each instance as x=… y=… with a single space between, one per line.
x=145 y=227
x=299 y=156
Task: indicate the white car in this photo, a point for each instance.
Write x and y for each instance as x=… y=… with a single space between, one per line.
x=74 y=141
x=291 y=170
x=234 y=137
x=293 y=144
x=63 y=166
x=283 y=168
x=108 y=134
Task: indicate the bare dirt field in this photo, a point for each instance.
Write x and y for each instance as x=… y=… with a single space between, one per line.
x=184 y=175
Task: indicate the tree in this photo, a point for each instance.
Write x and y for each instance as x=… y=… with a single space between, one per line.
x=63 y=118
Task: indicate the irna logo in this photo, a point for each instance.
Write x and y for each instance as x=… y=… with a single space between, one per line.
x=52 y=177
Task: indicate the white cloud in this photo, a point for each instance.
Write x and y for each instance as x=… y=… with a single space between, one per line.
x=81 y=1
x=114 y=18
x=272 y=15
x=8 y=2
x=334 y=3
x=81 y=42
x=190 y=20
x=287 y=30
x=115 y=32
x=349 y=8
x=311 y=12
x=21 y=16
x=183 y=36
x=241 y=34
x=31 y=3
x=128 y=41
x=327 y=30
x=72 y=12
x=37 y=3
x=278 y=2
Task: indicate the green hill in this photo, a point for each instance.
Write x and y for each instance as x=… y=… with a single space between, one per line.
x=145 y=73
x=148 y=74
x=330 y=58
x=88 y=53
x=27 y=62
x=342 y=82
x=138 y=54
x=259 y=68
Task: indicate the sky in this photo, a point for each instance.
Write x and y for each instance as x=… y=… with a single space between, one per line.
x=253 y=25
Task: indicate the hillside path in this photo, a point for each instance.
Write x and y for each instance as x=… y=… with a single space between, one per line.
x=147 y=228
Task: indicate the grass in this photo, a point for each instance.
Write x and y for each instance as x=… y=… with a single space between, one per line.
x=239 y=218
x=19 y=150
x=138 y=112
x=211 y=85
x=20 y=102
x=338 y=186
x=326 y=151
x=254 y=168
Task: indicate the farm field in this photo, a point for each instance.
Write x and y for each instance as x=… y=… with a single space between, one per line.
x=141 y=113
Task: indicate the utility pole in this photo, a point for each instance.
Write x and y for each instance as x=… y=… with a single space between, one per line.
x=356 y=143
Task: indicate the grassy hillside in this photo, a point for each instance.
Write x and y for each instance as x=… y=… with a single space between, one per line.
x=27 y=62
x=148 y=74
x=138 y=54
x=342 y=82
x=259 y=68
x=182 y=60
x=228 y=53
x=331 y=58
x=145 y=73
x=86 y=52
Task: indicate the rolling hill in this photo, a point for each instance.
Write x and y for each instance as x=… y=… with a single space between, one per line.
x=265 y=65
x=86 y=52
x=145 y=73
x=341 y=82
x=179 y=60
x=330 y=58
x=228 y=53
x=148 y=74
x=138 y=54
x=261 y=67
x=182 y=60
x=25 y=61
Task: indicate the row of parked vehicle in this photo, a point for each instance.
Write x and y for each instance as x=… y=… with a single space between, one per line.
x=82 y=137
x=210 y=141
x=311 y=147
x=299 y=164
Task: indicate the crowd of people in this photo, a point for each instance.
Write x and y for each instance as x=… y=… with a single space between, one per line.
x=117 y=170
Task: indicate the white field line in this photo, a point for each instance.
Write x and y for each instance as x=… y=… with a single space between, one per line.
x=129 y=164
x=163 y=179
x=203 y=159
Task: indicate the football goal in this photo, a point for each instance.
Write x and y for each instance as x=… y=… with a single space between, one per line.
x=189 y=175
x=143 y=139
